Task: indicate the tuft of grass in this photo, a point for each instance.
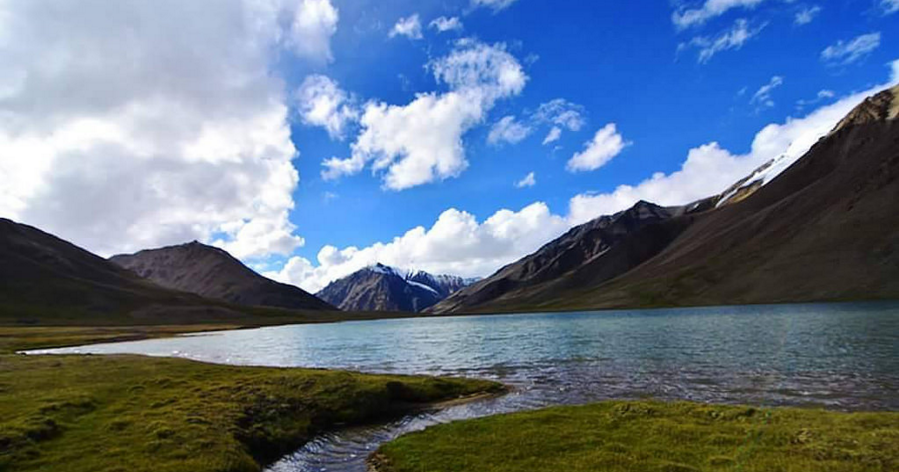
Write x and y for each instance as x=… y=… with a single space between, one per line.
x=620 y=436
x=132 y=413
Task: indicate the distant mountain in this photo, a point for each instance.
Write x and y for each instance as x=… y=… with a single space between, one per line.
x=383 y=288
x=213 y=273
x=824 y=227
x=604 y=247
x=46 y=279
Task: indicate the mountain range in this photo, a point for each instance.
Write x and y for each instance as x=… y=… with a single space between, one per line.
x=383 y=288
x=820 y=228
x=824 y=229
x=46 y=280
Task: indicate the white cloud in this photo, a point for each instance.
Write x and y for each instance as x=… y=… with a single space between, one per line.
x=819 y=97
x=482 y=70
x=321 y=102
x=889 y=6
x=686 y=18
x=807 y=15
x=178 y=130
x=314 y=22
x=844 y=53
x=420 y=142
x=561 y=112
x=605 y=145
x=762 y=97
x=710 y=169
x=554 y=134
x=409 y=27
x=528 y=181
x=508 y=130
x=733 y=38
x=495 y=5
x=456 y=244
x=444 y=24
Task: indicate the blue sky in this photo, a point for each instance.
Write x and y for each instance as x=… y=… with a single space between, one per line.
x=311 y=138
x=618 y=60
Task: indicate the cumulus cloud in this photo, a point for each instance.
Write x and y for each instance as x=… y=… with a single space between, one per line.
x=733 y=38
x=444 y=24
x=178 y=130
x=421 y=142
x=528 y=181
x=508 y=130
x=605 y=145
x=495 y=5
x=889 y=6
x=762 y=97
x=807 y=15
x=843 y=53
x=455 y=244
x=321 y=102
x=688 y=17
x=314 y=22
x=710 y=169
x=409 y=27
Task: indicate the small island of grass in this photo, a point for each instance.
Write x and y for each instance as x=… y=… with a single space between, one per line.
x=653 y=437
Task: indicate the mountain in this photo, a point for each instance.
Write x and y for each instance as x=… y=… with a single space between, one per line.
x=605 y=245
x=822 y=229
x=383 y=288
x=445 y=285
x=213 y=273
x=46 y=279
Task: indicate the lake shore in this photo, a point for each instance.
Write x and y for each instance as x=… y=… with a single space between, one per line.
x=618 y=436
x=125 y=412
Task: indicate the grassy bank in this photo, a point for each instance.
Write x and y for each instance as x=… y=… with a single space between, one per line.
x=650 y=436
x=131 y=413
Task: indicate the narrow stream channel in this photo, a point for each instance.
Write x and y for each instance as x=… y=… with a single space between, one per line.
x=837 y=356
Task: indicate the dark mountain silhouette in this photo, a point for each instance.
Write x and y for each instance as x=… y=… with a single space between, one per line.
x=213 y=273
x=45 y=278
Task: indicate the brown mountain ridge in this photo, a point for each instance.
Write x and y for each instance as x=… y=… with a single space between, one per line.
x=213 y=273
x=826 y=229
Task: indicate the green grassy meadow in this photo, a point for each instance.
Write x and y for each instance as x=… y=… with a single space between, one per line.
x=133 y=413
x=620 y=436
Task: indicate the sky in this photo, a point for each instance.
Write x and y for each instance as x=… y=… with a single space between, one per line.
x=311 y=138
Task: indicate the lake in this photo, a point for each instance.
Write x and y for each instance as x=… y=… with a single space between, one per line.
x=837 y=356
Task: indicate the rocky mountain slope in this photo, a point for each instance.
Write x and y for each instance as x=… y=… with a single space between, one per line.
x=607 y=245
x=213 y=273
x=383 y=288
x=826 y=228
x=44 y=278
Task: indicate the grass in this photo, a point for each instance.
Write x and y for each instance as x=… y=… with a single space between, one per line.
x=654 y=437
x=132 y=413
x=124 y=413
